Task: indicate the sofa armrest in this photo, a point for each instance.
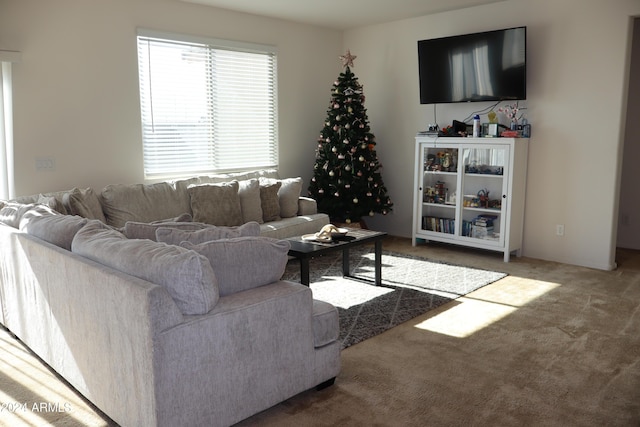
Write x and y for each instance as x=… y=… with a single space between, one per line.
x=307 y=206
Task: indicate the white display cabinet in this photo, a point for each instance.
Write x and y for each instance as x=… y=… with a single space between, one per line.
x=471 y=192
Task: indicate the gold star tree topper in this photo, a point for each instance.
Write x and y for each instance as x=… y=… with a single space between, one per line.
x=347 y=59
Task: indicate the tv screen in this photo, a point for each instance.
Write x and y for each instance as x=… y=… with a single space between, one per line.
x=487 y=66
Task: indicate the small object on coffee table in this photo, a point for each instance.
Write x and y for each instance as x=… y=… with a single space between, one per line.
x=326 y=234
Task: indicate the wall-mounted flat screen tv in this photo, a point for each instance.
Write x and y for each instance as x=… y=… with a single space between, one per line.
x=487 y=66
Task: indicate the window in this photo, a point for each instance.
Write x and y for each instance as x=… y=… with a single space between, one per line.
x=207 y=106
x=7 y=184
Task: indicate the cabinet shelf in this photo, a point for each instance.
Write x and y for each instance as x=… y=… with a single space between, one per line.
x=489 y=173
x=440 y=205
x=485 y=210
x=483 y=175
x=442 y=173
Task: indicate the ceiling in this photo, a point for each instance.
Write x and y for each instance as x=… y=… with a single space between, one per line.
x=342 y=14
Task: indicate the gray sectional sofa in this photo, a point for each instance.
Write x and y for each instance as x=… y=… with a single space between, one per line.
x=185 y=323
x=262 y=196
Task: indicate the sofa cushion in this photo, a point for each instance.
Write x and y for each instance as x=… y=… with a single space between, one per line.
x=12 y=212
x=174 y=236
x=142 y=202
x=326 y=323
x=250 y=203
x=244 y=262
x=216 y=204
x=84 y=203
x=269 y=201
x=55 y=229
x=143 y=230
x=288 y=194
x=187 y=276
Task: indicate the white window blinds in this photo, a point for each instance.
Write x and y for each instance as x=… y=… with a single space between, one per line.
x=206 y=108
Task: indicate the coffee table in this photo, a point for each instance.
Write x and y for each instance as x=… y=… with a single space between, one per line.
x=305 y=250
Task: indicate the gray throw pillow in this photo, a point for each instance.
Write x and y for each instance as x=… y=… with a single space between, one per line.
x=53 y=203
x=288 y=194
x=84 y=203
x=58 y=230
x=244 y=262
x=216 y=204
x=269 y=201
x=142 y=230
x=187 y=276
x=174 y=236
x=249 y=192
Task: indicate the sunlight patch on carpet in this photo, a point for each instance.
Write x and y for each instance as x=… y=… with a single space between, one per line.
x=356 y=293
x=23 y=378
x=486 y=306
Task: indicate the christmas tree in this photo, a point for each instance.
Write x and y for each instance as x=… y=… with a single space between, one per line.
x=347 y=183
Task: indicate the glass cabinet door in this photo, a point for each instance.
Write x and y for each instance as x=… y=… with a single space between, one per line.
x=483 y=193
x=439 y=189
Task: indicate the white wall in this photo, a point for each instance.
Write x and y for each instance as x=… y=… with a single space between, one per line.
x=629 y=214
x=76 y=88
x=577 y=66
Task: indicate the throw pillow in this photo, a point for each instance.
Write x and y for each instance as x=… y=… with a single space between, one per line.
x=58 y=230
x=188 y=277
x=142 y=230
x=53 y=203
x=216 y=204
x=84 y=203
x=269 y=201
x=244 y=262
x=175 y=236
x=288 y=194
x=249 y=192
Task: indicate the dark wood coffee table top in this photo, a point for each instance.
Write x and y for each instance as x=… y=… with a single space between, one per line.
x=354 y=237
x=305 y=250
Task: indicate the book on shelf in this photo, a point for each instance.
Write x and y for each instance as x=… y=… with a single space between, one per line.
x=438 y=224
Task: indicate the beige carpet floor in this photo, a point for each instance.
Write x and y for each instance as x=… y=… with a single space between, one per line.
x=548 y=345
